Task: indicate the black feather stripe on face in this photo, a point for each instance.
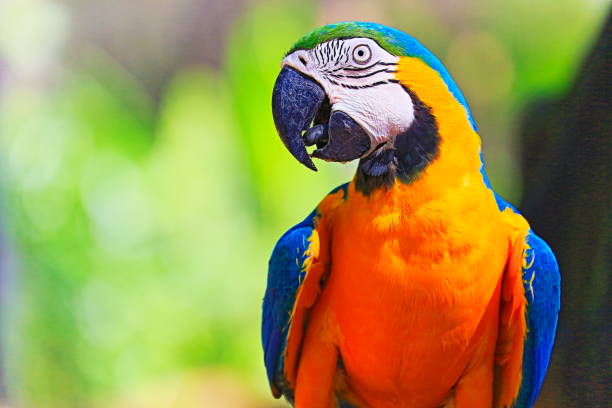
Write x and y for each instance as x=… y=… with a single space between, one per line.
x=412 y=151
x=377 y=83
x=333 y=61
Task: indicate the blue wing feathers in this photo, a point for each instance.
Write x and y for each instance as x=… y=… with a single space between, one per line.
x=542 y=290
x=285 y=275
x=542 y=285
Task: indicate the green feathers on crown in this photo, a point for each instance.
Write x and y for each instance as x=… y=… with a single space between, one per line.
x=348 y=30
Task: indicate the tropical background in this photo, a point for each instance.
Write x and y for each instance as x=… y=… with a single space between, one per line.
x=142 y=183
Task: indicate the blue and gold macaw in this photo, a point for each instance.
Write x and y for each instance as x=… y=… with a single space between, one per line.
x=414 y=285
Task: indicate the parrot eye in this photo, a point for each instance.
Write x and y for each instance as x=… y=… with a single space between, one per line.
x=362 y=54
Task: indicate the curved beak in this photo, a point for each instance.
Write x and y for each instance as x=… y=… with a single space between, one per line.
x=295 y=101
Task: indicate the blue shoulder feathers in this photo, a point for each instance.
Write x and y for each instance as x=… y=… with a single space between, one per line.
x=287 y=272
x=542 y=283
x=542 y=290
x=285 y=275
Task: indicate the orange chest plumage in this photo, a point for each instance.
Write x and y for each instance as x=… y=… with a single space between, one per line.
x=414 y=283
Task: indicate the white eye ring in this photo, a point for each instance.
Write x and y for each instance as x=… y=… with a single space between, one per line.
x=362 y=54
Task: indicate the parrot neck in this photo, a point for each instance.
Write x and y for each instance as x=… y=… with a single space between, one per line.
x=452 y=164
x=432 y=151
x=440 y=148
x=406 y=158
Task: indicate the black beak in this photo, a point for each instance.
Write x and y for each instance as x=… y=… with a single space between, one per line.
x=347 y=140
x=297 y=100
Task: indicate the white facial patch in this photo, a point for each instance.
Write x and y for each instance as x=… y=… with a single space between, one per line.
x=358 y=77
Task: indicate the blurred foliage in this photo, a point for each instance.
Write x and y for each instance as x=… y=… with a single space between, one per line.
x=140 y=225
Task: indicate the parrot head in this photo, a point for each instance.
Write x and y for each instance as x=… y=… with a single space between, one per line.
x=355 y=90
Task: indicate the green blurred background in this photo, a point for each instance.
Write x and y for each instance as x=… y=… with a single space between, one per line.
x=143 y=185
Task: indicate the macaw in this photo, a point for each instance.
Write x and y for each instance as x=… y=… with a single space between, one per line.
x=414 y=285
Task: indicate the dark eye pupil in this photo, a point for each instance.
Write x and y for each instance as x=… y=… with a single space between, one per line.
x=360 y=53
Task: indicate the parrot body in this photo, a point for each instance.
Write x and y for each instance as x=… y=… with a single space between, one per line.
x=414 y=285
